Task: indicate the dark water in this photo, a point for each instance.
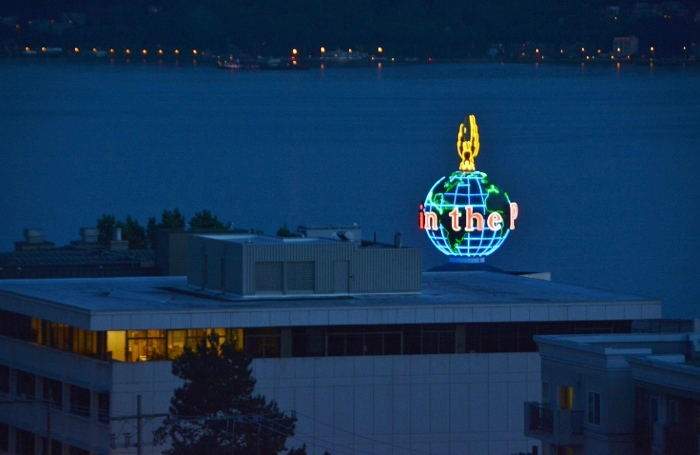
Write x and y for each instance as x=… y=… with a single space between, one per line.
x=603 y=161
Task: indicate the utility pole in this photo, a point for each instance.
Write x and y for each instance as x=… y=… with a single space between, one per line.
x=48 y=422
x=138 y=424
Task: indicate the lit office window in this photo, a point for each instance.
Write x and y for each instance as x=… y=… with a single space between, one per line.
x=566 y=397
x=116 y=345
x=145 y=345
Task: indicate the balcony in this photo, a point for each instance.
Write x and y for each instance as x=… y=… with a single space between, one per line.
x=563 y=427
x=681 y=438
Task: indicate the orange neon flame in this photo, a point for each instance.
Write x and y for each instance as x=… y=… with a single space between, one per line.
x=468 y=149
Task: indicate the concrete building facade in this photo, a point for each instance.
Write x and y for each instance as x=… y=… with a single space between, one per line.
x=399 y=362
x=612 y=394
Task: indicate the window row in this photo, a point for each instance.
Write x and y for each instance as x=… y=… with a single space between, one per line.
x=21 y=442
x=350 y=340
x=62 y=396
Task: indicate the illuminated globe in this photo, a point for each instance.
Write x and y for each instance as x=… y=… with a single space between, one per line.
x=466 y=216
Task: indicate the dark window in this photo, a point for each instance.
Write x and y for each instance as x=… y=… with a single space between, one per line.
x=103 y=406
x=4 y=379
x=262 y=343
x=53 y=392
x=346 y=341
x=16 y=326
x=593 y=408
x=4 y=438
x=79 y=401
x=26 y=384
x=438 y=339
x=24 y=442
x=308 y=341
x=77 y=451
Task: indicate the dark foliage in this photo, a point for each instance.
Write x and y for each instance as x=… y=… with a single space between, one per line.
x=216 y=407
x=205 y=220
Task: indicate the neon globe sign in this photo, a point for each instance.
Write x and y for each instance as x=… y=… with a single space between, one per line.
x=465 y=215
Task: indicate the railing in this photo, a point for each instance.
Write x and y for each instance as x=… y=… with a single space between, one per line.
x=558 y=426
x=681 y=438
x=540 y=417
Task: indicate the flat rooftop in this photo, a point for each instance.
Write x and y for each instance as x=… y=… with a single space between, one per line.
x=268 y=240
x=169 y=302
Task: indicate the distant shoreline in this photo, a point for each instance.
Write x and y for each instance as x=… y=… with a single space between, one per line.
x=398 y=61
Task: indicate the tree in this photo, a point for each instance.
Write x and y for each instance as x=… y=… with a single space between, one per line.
x=205 y=220
x=172 y=219
x=284 y=232
x=151 y=228
x=215 y=407
x=133 y=232
x=106 y=225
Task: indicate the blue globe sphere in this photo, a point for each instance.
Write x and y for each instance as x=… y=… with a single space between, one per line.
x=466 y=200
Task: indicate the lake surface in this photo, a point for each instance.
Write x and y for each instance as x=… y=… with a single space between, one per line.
x=602 y=160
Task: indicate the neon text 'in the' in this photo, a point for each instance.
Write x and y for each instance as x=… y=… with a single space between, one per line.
x=473 y=221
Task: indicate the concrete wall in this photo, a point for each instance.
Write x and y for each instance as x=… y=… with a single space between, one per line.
x=230 y=266
x=155 y=383
x=393 y=405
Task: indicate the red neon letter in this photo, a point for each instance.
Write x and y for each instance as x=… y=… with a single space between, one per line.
x=471 y=215
x=431 y=221
x=495 y=221
x=454 y=214
x=513 y=214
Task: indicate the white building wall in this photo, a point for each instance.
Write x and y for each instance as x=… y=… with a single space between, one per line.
x=155 y=383
x=440 y=404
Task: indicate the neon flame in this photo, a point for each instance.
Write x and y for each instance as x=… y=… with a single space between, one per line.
x=468 y=149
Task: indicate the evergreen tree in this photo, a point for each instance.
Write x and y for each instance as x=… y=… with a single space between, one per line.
x=205 y=220
x=284 y=232
x=215 y=411
x=172 y=219
x=133 y=232
x=151 y=227
x=106 y=225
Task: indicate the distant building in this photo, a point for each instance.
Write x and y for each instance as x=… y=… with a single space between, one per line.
x=372 y=354
x=625 y=46
x=88 y=257
x=615 y=394
x=33 y=241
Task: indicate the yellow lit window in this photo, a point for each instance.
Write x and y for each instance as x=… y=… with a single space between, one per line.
x=566 y=397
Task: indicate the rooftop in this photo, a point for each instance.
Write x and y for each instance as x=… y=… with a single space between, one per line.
x=445 y=297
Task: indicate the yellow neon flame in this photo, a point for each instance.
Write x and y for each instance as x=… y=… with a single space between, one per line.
x=468 y=149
